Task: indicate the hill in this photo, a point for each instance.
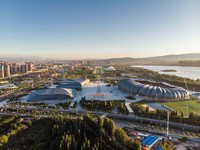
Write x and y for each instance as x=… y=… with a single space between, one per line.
x=158 y=60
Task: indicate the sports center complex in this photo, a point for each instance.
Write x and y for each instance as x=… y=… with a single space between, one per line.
x=63 y=91
x=153 y=90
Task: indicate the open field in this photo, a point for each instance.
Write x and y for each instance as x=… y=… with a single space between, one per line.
x=181 y=106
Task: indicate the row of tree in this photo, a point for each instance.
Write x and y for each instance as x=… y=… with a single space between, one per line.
x=162 y=114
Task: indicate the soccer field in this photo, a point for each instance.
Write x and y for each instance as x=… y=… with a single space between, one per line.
x=181 y=106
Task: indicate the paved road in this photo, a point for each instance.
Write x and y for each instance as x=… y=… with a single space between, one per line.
x=116 y=116
x=122 y=123
x=119 y=116
x=154 y=121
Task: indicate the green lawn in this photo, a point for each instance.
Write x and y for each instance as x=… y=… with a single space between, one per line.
x=193 y=106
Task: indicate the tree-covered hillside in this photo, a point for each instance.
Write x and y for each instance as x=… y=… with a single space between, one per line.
x=63 y=132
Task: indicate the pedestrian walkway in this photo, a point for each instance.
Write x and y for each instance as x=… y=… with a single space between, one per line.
x=130 y=110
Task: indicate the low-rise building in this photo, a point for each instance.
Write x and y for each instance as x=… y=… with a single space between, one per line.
x=51 y=94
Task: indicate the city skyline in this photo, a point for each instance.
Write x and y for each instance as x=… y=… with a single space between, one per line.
x=99 y=29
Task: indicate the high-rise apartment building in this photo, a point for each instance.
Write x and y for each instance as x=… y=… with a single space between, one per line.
x=1 y=71
x=6 y=70
x=15 y=68
x=23 y=68
x=30 y=66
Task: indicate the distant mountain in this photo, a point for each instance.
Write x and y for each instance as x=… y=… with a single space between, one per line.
x=181 y=59
x=119 y=60
x=191 y=56
x=158 y=60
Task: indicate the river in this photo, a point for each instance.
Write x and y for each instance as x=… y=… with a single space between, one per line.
x=186 y=72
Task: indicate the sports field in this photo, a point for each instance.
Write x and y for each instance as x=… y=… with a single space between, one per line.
x=181 y=106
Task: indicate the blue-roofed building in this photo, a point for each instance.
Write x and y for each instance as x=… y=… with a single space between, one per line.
x=159 y=148
x=149 y=141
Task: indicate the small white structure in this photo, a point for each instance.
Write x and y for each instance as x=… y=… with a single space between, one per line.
x=8 y=86
x=130 y=110
x=196 y=96
x=110 y=68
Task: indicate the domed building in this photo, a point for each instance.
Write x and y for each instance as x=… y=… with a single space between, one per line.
x=151 y=89
x=110 y=68
x=51 y=94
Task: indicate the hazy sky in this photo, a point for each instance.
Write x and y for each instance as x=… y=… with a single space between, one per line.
x=99 y=28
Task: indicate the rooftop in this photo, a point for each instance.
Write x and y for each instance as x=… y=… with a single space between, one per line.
x=54 y=91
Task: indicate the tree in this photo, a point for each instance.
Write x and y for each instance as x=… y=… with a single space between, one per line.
x=105 y=103
x=147 y=109
x=29 y=123
x=3 y=139
x=109 y=126
x=137 y=146
x=182 y=115
x=121 y=135
x=100 y=121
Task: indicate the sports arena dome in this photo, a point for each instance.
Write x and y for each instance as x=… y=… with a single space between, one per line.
x=151 y=89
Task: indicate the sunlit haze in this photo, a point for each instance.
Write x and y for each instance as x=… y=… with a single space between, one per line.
x=99 y=29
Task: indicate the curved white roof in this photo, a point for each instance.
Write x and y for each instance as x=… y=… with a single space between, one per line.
x=156 y=90
x=110 y=68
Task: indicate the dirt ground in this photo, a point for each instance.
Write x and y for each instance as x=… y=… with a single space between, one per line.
x=187 y=146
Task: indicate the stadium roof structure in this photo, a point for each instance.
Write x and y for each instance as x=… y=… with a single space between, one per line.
x=73 y=84
x=54 y=91
x=51 y=94
x=158 y=90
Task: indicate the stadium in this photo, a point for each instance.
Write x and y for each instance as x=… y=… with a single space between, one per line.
x=65 y=90
x=153 y=90
x=51 y=94
x=73 y=84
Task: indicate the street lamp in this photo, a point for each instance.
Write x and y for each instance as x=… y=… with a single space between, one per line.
x=32 y=83
x=167 y=123
x=187 y=111
x=156 y=97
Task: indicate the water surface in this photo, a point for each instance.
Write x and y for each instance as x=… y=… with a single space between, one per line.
x=186 y=72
